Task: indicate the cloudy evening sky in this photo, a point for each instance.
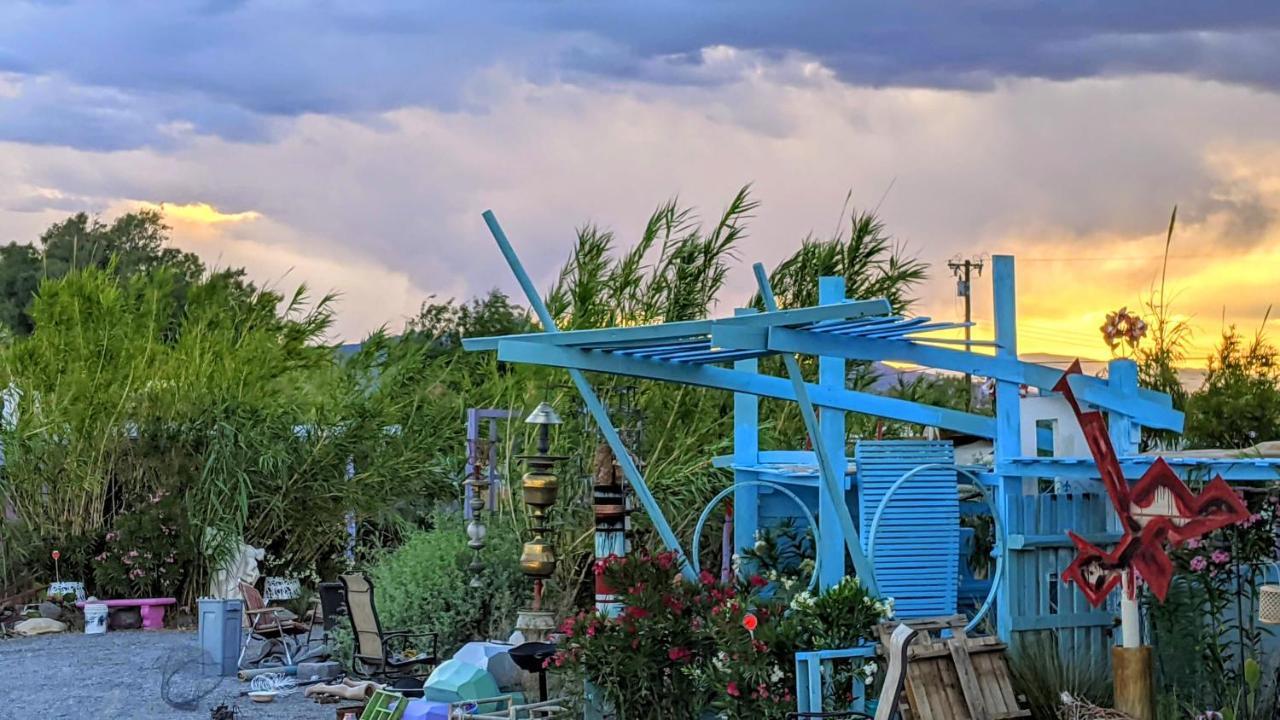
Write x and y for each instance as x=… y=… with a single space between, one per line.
x=354 y=145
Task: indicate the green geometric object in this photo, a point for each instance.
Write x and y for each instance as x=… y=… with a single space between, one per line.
x=384 y=705
x=456 y=681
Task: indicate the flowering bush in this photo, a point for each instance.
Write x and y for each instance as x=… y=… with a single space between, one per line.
x=1206 y=631
x=147 y=553
x=678 y=648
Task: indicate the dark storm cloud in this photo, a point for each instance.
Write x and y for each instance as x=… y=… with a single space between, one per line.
x=129 y=72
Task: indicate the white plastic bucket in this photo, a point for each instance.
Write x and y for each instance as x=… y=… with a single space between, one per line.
x=95 y=618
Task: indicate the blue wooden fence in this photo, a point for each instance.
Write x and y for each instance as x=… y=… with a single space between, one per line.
x=1039 y=550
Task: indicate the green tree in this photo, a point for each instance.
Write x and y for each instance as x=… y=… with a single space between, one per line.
x=132 y=244
x=1239 y=403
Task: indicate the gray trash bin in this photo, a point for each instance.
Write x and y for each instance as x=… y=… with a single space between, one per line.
x=220 y=622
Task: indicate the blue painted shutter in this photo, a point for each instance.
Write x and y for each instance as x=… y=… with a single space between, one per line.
x=917 y=553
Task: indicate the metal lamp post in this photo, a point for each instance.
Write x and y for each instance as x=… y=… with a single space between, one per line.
x=539 y=489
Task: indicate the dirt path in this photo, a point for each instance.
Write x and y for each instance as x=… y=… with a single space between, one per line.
x=119 y=676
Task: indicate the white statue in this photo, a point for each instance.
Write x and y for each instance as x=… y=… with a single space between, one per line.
x=241 y=566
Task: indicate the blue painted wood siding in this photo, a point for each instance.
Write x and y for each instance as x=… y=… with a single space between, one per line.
x=916 y=559
x=1039 y=550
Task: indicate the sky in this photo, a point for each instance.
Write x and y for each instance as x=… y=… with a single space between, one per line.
x=353 y=145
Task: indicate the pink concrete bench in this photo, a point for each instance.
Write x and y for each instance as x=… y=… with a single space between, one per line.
x=152 y=609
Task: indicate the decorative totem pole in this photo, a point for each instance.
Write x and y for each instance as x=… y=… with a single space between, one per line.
x=609 y=500
x=539 y=488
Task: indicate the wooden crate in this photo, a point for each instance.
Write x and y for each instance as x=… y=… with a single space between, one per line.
x=951 y=676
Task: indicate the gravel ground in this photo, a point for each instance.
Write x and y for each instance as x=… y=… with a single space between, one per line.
x=118 y=676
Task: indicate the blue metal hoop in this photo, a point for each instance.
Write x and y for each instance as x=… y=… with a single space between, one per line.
x=706 y=513
x=995 y=518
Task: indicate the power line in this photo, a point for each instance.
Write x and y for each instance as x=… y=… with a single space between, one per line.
x=1128 y=259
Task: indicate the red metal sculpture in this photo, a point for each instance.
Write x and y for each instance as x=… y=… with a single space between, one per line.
x=1159 y=509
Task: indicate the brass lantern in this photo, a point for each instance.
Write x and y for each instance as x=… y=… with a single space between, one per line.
x=539 y=488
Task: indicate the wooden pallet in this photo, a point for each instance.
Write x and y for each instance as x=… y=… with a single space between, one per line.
x=956 y=677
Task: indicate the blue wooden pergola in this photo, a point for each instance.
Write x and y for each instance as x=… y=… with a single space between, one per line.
x=724 y=354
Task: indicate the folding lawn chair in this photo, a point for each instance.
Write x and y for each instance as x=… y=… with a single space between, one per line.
x=270 y=625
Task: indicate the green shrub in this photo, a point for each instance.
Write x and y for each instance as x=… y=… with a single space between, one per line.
x=424 y=585
x=1042 y=673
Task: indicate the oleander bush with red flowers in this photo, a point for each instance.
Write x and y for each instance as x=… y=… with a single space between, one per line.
x=683 y=649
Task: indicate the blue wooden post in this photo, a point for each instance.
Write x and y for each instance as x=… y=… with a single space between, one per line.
x=1008 y=442
x=827 y=472
x=746 y=453
x=831 y=373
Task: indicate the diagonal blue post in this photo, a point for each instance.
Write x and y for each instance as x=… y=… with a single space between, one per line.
x=594 y=406
x=826 y=470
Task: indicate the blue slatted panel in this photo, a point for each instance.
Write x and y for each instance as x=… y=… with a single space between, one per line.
x=915 y=555
x=1040 y=601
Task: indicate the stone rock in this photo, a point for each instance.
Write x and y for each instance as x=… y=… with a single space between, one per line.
x=50 y=610
x=39 y=626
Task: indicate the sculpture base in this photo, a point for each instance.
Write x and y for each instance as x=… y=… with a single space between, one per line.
x=535 y=625
x=1134 y=689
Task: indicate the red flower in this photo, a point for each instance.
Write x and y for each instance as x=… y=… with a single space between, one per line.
x=707 y=578
x=732 y=689
x=750 y=622
x=679 y=654
x=635 y=612
x=56 y=555
x=757 y=581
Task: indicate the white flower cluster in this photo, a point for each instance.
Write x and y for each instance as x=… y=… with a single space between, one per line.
x=883 y=607
x=803 y=599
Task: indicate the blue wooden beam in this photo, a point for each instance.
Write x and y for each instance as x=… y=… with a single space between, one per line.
x=1148 y=408
x=746 y=449
x=1084 y=468
x=663 y=332
x=737 y=381
x=832 y=482
x=1008 y=407
x=620 y=453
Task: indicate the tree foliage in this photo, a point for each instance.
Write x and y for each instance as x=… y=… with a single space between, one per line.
x=228 y=399
x=132 y=244
x=1239 y=404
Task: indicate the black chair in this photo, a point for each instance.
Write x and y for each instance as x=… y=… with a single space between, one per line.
x=379 y=654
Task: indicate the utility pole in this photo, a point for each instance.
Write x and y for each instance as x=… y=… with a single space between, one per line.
x=962 y=270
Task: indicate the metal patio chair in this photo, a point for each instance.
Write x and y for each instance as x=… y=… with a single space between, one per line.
x=379 y=653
